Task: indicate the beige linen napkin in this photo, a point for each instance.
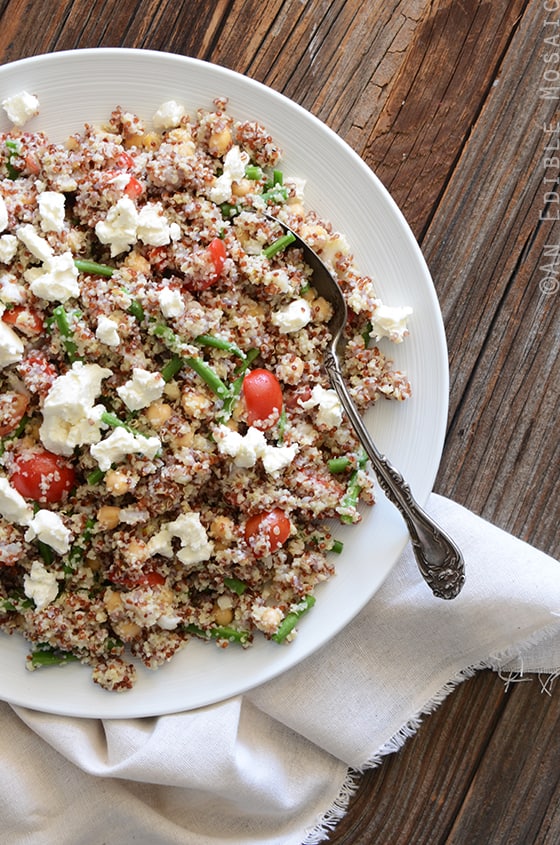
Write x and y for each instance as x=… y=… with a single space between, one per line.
x=276 y=766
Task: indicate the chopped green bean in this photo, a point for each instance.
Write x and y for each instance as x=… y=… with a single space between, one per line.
x=62 y=322
x=220 y=632
x=337 y=546
x=236 y=585
x=95 y=476
x=291 y=619
x=92 y=268
x=253 y=172
x=352 y=495
x=172 y=368
x=46 y=552
x=219 y=343
x=14 y=149
x=279 y=245
x=339 y=464
x=208 y=375
x=136 y=310
x=51 y=657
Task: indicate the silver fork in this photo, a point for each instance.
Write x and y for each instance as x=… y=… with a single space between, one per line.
x=439 y=559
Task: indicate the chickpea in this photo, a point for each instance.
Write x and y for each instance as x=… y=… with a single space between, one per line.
x=116 y=482
x=219 y=142
x=127 y=630
x=185 y=440
x=172 y=390
x=108 y=516
x=136 y=551
x=321 y=310
x=137 y=262
x=112 y=601
x=222 y=528
x=242 y=188
x=158 y=413
x=223 y=615
x=195 y=404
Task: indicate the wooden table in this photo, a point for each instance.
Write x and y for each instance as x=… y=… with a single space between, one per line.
x=455 y=105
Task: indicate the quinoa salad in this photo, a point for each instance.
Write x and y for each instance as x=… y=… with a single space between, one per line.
x=173 y=459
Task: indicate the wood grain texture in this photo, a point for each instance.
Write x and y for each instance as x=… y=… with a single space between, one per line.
x=444 y=100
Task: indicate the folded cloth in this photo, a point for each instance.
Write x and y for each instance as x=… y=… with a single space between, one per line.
x=276 y=766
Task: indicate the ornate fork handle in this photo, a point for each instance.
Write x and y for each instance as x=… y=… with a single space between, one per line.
x=439 y=560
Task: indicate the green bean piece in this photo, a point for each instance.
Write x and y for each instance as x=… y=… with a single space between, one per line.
x=51 y=657
x=253 y=172
x=291 y=619
x=208 y=375
x=352 y=495
x=219 y=343
x=62 y=321
x=172 y=367
x=279 y=245
x=235 y=585
x=337 y=546
x=339 y=464
x=113 y=421
x=136 y=310
x=92 y=268
x=235 y=389
x=46 y=552
x=219 y=632
x=14 y=149
x=95 y=476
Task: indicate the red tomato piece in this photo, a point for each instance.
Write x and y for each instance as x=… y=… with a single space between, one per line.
x=134 y=188
x=263 y=397
x=218 y=254
x=154 y=579
x=43 y=476
x=12 y=410
x=267 y=531
x=27 y=320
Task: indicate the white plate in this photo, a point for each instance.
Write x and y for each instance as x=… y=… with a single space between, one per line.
x=82 y=86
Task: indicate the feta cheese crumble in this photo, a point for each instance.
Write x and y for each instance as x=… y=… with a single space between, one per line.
x=168 y=116
x=21 y=107
x=121 y=443
x=51 y=211
x=48 y=527
x=246 y=449
x=188 y=529
x=328 y=403
x=40 y=585
x=293 y=317
x=107 y=331
x=70 y=417
x=13 y=506
x=142 y=389
x=11 y=345
x=390 y=321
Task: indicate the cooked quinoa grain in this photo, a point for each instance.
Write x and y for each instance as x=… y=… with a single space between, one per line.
x=171 y=451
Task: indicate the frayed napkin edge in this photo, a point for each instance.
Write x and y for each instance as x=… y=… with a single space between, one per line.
x=321 y=831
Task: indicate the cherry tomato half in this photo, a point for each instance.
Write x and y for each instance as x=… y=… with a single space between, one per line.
x=43 y=476
x=154 y=579
x=12 y=410
x=263 y=397
x=267 y=531
x=218 y=254
x=134 y=188
x=27 y=320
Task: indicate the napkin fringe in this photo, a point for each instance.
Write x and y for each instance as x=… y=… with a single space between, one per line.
x=330 y=819
x=336 y=812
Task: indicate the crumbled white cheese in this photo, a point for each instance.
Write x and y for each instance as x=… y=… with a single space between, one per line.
x=8 y=247
x=48 y=527
x=293 y=317
x=51 y=211
x=391 y=322
x=328 y=403
x=246 y=449
x=40 y=585
x=38 y=247
x=56 y=280
x=70 y=417
x=235 y=162
x=119 y=227
x=171 y=302
x=13 y=506
x=124 y=225
x=153 y=227
x=3 y=214
x=11 y=346
x=121 y=443
x=21 y=107
x=142 y=389
x=107 y=331
x=168 y=116
x=189 y=530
